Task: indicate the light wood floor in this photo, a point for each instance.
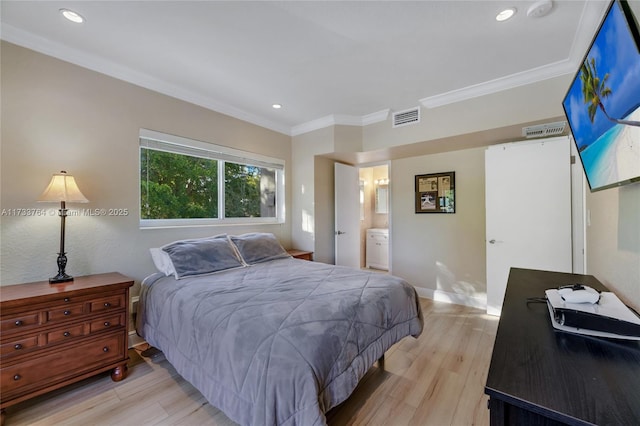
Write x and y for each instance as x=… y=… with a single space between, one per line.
x=437 y=379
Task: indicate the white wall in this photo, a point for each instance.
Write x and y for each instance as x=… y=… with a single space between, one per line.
x=58 y=116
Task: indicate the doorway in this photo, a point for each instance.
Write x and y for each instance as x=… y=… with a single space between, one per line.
x=375 y=211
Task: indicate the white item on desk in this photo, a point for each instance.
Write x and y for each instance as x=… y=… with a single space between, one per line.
x=579 y=293
x=609 y=308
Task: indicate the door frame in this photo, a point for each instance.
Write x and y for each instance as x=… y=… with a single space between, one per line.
x=390 y=208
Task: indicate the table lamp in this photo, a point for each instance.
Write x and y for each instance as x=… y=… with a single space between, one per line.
x=62 y=188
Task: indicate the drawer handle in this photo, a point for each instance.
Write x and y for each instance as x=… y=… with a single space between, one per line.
x=105 y=349
x=66 y=299
x=19 y=323
x=107 y=304
x=107 y=323
x=66 y=334
x=67 y=312
x=17 y=346
x=17 y=377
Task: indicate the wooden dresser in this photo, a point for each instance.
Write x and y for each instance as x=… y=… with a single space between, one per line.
x=57 y=334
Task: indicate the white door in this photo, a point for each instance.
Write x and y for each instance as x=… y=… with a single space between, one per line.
x=347 y=215
x=528 y=211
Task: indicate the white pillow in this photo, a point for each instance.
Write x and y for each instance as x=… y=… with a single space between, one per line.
x=162 y=261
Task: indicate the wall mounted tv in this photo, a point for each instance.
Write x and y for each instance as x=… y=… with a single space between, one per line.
x=602 y=104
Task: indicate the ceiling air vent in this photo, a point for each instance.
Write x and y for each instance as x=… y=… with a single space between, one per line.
x=409 y=116
x=544 y=130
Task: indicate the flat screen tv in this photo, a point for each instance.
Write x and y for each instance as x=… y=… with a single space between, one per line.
x=602 y=104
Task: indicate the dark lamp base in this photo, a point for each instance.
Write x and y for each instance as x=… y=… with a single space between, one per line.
x=60 y=278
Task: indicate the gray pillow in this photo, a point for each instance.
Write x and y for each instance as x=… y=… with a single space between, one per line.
x=258 y=247
x=202 y=256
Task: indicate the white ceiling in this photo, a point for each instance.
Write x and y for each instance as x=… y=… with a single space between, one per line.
x=326 y=62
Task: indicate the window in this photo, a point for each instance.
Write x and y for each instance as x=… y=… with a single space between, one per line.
x=187 y=182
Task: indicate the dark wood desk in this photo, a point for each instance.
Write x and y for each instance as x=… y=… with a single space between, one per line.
x=539 y=376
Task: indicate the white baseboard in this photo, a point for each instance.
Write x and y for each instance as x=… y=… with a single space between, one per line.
x=134 y=339
x=454 y=298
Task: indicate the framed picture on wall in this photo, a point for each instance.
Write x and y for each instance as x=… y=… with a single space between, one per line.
x=435 y=193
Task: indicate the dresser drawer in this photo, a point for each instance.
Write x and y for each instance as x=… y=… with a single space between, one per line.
x=20 y=322
x=19 y=345
x=65 y=312
x=107 y=303
x=66 y=333
x=107 y=322
x=61 y=365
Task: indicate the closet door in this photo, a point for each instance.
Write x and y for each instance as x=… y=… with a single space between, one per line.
x=528 y=211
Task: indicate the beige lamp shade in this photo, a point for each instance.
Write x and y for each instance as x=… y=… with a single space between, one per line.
x=63 y=187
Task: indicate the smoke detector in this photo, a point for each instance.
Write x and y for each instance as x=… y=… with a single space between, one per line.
x=539 y=8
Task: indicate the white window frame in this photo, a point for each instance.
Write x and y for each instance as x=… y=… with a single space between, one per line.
x=185 y=146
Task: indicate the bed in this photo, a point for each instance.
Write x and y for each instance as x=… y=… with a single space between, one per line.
x=267 y=338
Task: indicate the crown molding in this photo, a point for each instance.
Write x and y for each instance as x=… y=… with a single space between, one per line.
x=376 y=117
x=512 y=81
x=591 y=16
x=312 y=125
x=337 y=120
x=98 y=64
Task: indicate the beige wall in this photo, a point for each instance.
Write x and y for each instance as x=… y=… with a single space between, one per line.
x=533 y=102
x=613 y=240
x=58 y=116
x=303 y=221
x=313 y=221
x=613 y=234
x=443 y=255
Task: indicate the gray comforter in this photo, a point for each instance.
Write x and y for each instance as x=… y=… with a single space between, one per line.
x=279 y=342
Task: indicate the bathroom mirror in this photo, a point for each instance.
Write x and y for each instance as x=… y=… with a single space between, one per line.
x=382 y=198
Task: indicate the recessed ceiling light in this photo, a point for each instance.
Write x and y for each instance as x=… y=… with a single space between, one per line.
x=276 y=106
x=72 y=16
x=506 y=14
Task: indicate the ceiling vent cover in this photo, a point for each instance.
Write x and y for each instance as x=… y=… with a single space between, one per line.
x=544 y=130
x=409 y=116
